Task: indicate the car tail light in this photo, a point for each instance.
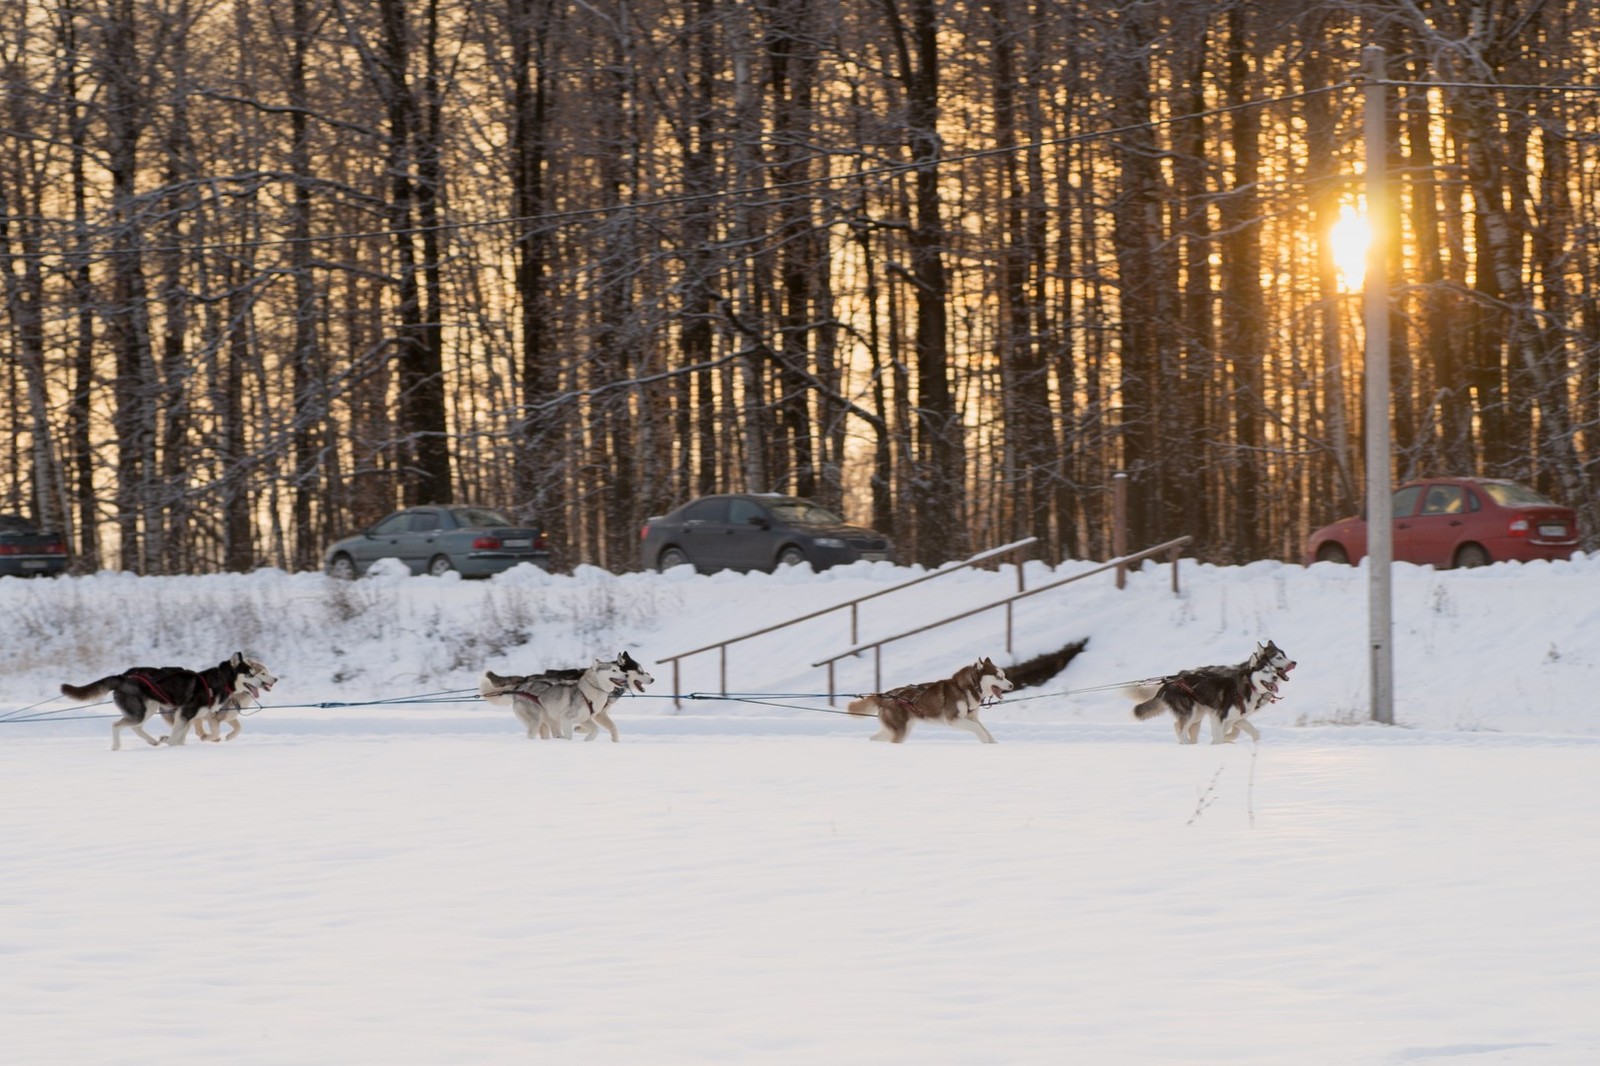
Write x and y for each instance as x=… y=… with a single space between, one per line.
x=486 y=543
x=542 y=541
x=10 y=549
x=1519 y=526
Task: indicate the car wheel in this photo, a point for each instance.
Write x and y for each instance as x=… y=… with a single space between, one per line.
x=671 y=557
x=791 y=556
x=1469 y=556
x=342 y=567
x=1332 y=553
x=439 y=565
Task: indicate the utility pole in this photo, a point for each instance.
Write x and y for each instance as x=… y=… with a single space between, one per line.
x=1375 y=313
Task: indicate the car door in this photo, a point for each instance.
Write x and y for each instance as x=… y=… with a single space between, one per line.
x=752 y=538
x=421 y=539
x=1404 y=503
x=382 y=541
x=704 y=533
x=1436 y=528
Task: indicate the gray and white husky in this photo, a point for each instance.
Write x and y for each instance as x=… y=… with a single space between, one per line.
x=1228 y=695
x=557 y=702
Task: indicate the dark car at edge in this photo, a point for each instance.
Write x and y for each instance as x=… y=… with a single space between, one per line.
x=471 y=541
x=756 y=531
x=28 y=551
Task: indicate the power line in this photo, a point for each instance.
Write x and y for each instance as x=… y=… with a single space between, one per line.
x=1503 y=86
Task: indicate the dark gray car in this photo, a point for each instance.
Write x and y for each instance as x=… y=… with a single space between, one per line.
x=474 y=541
x=27 y=551
x=756 y=531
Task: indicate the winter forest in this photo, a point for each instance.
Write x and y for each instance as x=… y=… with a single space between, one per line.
x=272 y=268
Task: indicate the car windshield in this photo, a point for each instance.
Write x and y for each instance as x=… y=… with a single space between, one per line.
x=480 y=518
x=1510 y=494
x=805 y=513
x=12 y=524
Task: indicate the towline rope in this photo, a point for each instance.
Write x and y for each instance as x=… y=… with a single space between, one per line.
x=30 y=713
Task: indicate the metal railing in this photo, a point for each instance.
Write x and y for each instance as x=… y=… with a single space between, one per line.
x=1171 y=548
x=1014 y=548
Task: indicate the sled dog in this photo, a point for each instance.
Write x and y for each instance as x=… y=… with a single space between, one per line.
x=180 y=695
x=955 y=701
x=554 y=703
x=225 y=714
x=637 y=680
x=1228 y=695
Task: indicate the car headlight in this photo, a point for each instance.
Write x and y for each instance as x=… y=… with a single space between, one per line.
x=828 y=542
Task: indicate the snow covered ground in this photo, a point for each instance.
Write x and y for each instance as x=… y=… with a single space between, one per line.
x=751 y=881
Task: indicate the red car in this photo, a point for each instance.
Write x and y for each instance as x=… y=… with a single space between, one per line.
x=1459 y=521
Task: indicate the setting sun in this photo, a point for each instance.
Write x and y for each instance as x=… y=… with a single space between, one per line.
x=1350 y=237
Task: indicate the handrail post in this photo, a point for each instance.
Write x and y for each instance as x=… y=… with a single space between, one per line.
x=677 y=700
x=724 y=656
x=1016 y=556
x=877 y=668
x=854 y=629
x=1119 y=524
x=1175 y=552
x=1008 y=627
x=830 y=680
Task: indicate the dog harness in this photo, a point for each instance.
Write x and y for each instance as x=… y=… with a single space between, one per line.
x=530 y=696
x=1194 y=696
x=162 y=697
x=168 y=701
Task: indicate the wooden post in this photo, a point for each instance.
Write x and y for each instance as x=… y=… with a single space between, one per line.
x=1119 y=524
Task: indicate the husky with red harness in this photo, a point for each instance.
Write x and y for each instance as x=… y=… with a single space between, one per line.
x=954 y=700
x=178 y=694
x=1228 y=695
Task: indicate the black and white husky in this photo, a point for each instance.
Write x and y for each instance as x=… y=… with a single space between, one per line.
x=1228 y=695
x=180 y=695
x=557 y=702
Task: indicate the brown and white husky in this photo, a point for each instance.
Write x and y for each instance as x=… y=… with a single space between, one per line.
x=955 y=701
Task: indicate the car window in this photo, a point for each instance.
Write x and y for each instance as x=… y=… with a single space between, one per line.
x=1405 y=501
x=479 y=518
x=1510 y=494
x=1443 y=499
x=395 y=523
x=741 y=511
x=12 y=524
x=706 y=511
x=805 y=513
x=424 y=521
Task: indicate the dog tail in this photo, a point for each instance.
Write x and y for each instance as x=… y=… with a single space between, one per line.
x=93 y=690
x=864 y=705
x=496 y=689
x=1150 y=705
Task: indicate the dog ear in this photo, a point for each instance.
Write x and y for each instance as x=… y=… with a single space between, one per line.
x=238 y=659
